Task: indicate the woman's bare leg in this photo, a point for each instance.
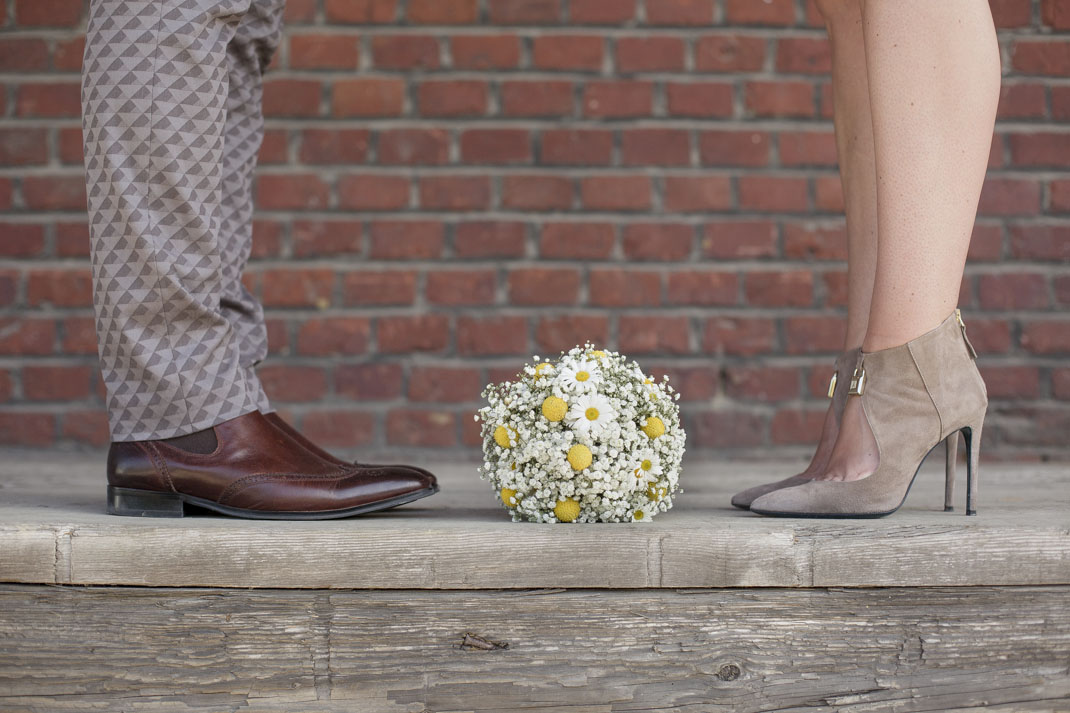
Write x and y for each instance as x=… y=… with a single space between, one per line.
x=934 y=78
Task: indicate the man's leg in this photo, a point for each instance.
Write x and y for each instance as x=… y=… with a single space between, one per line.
x=155 y=87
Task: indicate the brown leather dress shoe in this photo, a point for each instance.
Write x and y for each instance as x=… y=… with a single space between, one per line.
x=255 y=471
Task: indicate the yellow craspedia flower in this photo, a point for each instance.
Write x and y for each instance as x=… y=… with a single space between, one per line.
x=541 y=367
x=502 y=435
x=579 y=456
x=508 y=495
x=567 y=510
x=598 y=353
x=655 y=493
x=654 y=427
x=554 y=408
x=638 y=515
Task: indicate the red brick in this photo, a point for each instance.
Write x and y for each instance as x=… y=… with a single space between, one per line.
x=807 y=148
x=453 y=98
x=828 y=194
x=414 y=146
x=689 y=194
x=650 y=53
x=537 y=98
x=694 y=384
x=1011 y=382
x=23 y=147
x=55 y=383
x=461 y=287
x=725 y=429
x=27 y=428
x=491 y=336
x=410 y=427
x=618 y=99
x=1041 y=242
x=274 y=149
x=324 y=51
x=304 y=191
x=765 y=12
x=489 y=239
x=339 y=428
x=524 y=12
x=300 y=11
x=369 y=382
x=406 y=240
x=79 y=335
x=1045 y=336
x=379 y=287
x=1012 y=13
x=60 y=288
x=577 y=147
x=773 y=193
x=9 y=286
x=69 y=146
x=457 y=193
x=624 y=288
x=405 y=52
x=679 y=12
x=782 y=99
x=72 y=240
x=986 y=243
x=89 y=427
x=781 y=288
x=654 y=335
x=739 y=336
x=437 y=12
x=6 y=186
x=1060 y=195
x=485 y=51
x=1040 y=149
x=734 y=148
x=601 y=12
x=1026 y=101
x=537 y=192
x=729 y=53
x=662 y=242
x=292 y=97
x=23 y=54
x=1009 y=196
x=1013 y=291
x=330 y=336
x=803 y=55
x=331 y=146
x=543 y=286
x=444 y=385
x=367 y=97
x=314 y=238
x=700 y=99
x=705 y=287
x=285 y=382
x=989 y=336
x=617 y=193
x=373 y=192
x=815 y=241
x=48 y=13
x=761 y=383
x=576 y=241
x=793 y=426
x=568 y=52
x=54 y=193
x=1041 y=57
x=496 y=146
x=554 y=334
x=739 y=240
x=421 y=333
x=1061 y=287
x=287 y=287
x=1055 y=14
x=361 y=11
x=655 y=147
x=1060 y=383
x=809 y=335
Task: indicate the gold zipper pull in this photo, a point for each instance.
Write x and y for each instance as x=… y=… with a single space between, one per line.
x=858 y=381
x=832 y=385
x=962 y=326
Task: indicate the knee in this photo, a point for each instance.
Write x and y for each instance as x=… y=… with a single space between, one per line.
x=835 y=11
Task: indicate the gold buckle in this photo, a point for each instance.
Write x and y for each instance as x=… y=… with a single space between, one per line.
x=858 y=382
x=832 y=385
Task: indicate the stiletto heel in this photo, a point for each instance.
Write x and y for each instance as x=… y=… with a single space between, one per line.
x=972 y=436
x=951 y=460
x=143 y=503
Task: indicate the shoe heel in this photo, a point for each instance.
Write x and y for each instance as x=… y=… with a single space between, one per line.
x=951 y=460
x=972 y=436
x=143 y=503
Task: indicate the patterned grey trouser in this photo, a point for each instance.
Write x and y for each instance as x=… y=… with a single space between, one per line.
x=172 y=123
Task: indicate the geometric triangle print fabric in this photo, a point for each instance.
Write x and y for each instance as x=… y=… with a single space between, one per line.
x=170 y=146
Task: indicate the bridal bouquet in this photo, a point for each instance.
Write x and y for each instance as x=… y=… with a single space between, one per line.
x=584 y=438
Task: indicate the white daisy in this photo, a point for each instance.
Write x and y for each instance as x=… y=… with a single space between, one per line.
x=647 y=468
x=581 y=375
x=590 y=414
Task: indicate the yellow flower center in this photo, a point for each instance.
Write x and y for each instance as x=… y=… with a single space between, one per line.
x=502 y=435
x=591 y=414
x=539 y=368
x=567 y=510
x=582 y=376
x=655 y=493
x=598 y=353
x=510 y=498
x=579 y=456
x=646 y=465
x=654 y=427
x=554 y=408
x=638 y=514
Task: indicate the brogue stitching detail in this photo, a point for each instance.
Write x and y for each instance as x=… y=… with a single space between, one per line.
x=158 y=463
x=249 y=480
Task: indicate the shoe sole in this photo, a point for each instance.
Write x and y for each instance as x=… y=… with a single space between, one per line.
x=131 y=502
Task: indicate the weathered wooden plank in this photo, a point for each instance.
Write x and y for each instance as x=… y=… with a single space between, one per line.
x=53 y=530
x=81 y=649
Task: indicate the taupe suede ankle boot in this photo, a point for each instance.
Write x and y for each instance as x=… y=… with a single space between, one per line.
x=838 y=386
x=914 y=396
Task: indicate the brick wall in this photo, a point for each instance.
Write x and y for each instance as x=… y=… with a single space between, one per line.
x=449 y=186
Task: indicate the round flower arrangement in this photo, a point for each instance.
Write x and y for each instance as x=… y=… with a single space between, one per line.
x=584 y=438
